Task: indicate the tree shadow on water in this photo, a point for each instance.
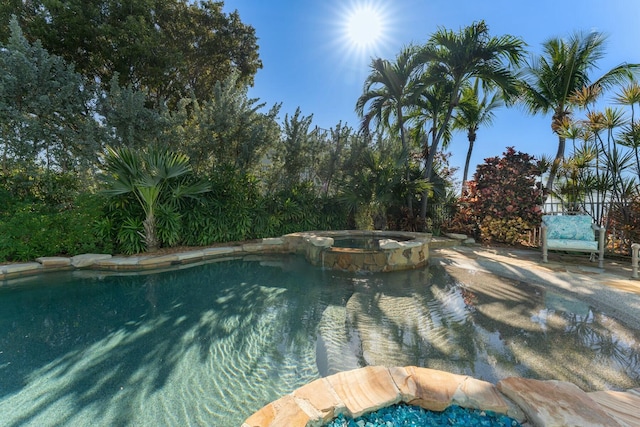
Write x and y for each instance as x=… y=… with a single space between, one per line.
x=101 y=348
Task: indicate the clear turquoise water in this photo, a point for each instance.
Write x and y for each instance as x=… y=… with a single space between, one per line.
x=211 y=344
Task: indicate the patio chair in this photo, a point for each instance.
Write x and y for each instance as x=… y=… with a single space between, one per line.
x=572 y=233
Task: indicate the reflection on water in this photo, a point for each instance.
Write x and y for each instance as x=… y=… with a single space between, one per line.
x=212 y=344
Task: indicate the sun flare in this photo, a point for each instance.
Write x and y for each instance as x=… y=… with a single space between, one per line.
x=365 y=26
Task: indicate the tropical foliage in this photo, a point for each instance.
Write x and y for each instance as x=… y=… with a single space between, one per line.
x=158 y=180
x=45 y=110
x=473 y=112
x=386 y=94
x=426 y=83
x=456 y=58
x=168 y=48
x=503 y=202
x=187 y=158
x=600 y=174
x=558 y=81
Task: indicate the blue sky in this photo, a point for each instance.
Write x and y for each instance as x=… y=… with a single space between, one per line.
x=308 y=62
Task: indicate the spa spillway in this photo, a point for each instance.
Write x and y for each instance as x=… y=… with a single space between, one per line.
x=363 y=251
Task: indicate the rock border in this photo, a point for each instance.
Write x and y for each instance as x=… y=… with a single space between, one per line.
x=290 y=243
x=106 y=262
x=531 y=402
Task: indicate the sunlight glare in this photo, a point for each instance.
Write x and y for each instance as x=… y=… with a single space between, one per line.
x=364 y=26
x=360 y=30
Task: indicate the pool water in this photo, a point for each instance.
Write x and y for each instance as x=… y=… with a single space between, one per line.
x=369 y=243
x=213 y=343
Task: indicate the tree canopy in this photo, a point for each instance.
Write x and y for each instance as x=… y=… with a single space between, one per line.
x=45 y=115
x=170 y=48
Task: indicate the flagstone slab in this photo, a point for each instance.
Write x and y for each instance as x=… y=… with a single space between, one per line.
x=14 y=270
x=158 y=261
x=623 y=406
x=118 y=263
x=478 y=394
x=87 y=260
x=54 y=261
x=428 y=388
x=321 y=396
x=190 y=256
x=531 y=402
x=282 y=412
x=555 y=403
x=225 y=250
x=365 y=390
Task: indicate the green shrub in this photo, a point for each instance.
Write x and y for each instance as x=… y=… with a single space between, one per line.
x=34 y=229
x=235 y=210
x=130 y=236
x=169 y=225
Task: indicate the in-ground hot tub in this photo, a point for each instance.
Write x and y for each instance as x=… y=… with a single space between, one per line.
x=363 y=251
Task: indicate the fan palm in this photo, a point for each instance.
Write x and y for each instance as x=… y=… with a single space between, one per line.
x=559 y=73
x=386 y=95
x=473 y=113
x=156 y=177
x=456 y=58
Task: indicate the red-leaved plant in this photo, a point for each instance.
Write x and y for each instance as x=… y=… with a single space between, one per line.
x=502 y=202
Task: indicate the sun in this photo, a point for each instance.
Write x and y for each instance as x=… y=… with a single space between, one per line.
x=364 y=26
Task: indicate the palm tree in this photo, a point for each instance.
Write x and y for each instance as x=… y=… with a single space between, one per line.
x=473 y=113
x=376 y=185
x=154 y=177
x=386 y=94
x=630 y=95
x=456 y=58
x=559 y=73
x=429 y=109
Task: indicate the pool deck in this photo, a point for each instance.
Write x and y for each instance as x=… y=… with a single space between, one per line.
x=531 y=402
x=355 y=392
x=611 y=287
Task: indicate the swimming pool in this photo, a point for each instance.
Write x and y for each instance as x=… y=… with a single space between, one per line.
x=211 y=344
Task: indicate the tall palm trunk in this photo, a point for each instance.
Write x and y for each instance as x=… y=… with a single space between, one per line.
x=403 y=140
x=428 y=170
x=555 y=166
x=465 y=174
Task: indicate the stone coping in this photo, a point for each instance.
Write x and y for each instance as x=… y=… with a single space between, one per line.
x=139 y=262
x=289 y=243
x=531 y=402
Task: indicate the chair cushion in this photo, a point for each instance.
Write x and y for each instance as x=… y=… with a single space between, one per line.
x=571 y=227
x=569 y=244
